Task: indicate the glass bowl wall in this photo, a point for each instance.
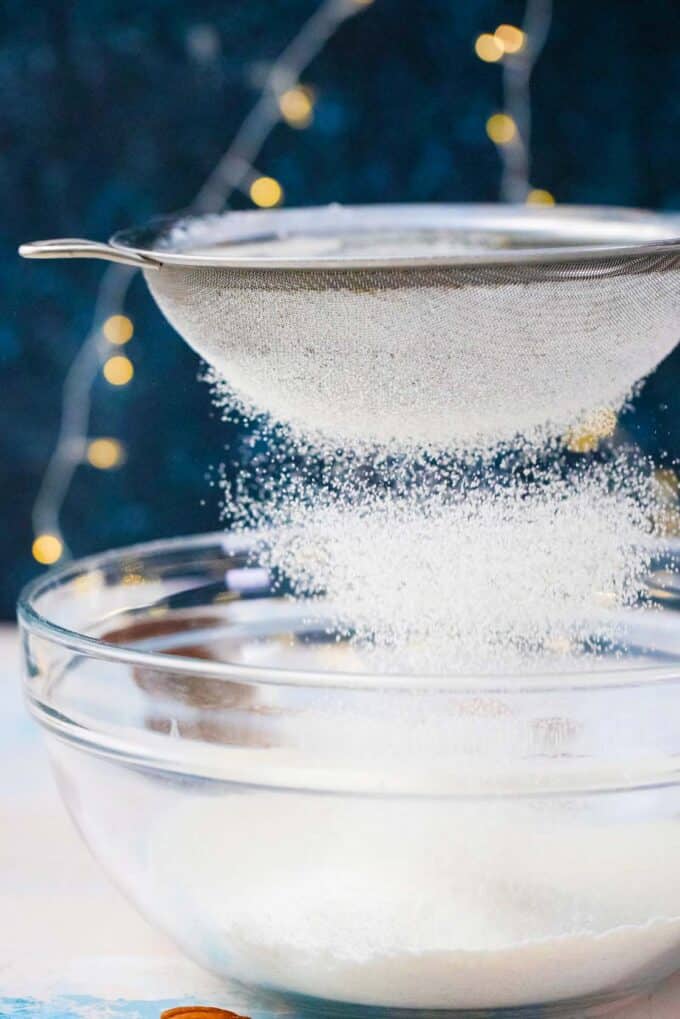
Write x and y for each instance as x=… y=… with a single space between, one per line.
x=406 y=842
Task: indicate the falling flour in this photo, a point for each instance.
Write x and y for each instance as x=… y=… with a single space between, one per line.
x=460 y=571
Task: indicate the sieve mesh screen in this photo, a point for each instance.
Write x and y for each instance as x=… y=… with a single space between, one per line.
x=458 y=354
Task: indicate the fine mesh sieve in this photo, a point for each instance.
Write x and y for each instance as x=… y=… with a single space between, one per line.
x=429 y=324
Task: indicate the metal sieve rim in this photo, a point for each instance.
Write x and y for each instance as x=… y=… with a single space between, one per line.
x=612 y=232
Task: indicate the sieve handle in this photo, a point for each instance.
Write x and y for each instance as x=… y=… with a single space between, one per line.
x=73 y=247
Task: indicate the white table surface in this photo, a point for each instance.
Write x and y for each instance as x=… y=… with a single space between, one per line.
x=67 y=930
x=70 y=945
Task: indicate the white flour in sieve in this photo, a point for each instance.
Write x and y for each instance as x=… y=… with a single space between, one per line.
x=431 y=355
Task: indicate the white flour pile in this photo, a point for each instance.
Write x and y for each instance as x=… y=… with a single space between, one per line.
x=420 y=903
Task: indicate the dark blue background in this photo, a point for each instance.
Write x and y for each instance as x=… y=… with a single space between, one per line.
x=110 y=113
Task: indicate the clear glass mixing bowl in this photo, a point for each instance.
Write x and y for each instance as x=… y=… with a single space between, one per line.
x=406 y=842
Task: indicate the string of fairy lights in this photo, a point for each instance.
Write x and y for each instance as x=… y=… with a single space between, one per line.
x=283 y=98
x=517 y=49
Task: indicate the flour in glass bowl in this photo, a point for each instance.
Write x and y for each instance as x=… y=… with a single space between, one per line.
x=420 y=904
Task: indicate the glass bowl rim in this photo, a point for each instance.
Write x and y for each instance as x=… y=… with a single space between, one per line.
x=35 y=622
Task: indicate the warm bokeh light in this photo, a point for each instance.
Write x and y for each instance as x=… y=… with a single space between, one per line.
x=668 y=480
x=85 y=583
x=501 y=129
x=105 y=453
x=47 y=549
x=585 y=438
x=118 y=329
x=130 y=578
x=510 y=38
x=266 y=192
x=539 y=196
x=118 y=370
x=582 y=441
x=488 y=48
x=297 y=106
x=666 y=510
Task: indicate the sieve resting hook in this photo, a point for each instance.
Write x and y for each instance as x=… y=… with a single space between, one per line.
x=75 y=247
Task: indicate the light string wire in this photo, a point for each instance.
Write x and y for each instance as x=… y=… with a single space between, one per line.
x=237 y=163
x=234 y=170
x=519 y=50
x=517 y=71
